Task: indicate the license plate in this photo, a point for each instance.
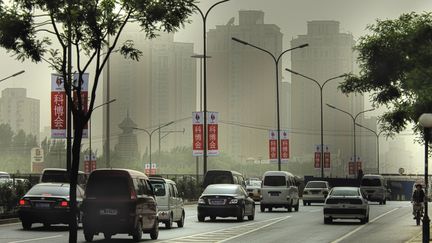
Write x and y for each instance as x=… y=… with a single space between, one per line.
x=274 y=194
x=108 y=211
x=42 y=205
x=217 y=202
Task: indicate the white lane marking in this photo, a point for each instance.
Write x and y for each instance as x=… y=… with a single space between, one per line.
x=37 y=239
x=191 y=216
x=314 y=211
x=2 y=225
x=361 y=227
x=250 y=231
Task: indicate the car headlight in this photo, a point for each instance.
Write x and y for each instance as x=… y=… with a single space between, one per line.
x=201 y=201
x=234 y=201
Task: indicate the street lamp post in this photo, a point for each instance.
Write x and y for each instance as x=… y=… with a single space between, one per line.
x=377 y=143
x=276 y=60
x=204 y=18
x=354 y=118
x=13 y=75
x=321 y=87
x=425 y=121
x=89 y=135
x=150 y=133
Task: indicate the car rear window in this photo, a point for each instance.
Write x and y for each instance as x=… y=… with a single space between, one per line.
x=218 y=177
x=315 y=184
x=345 y=192
x=371 y=182
x=221 y=190
x=51 y=190
x=108 y=186
x=274 y=181
x=158 y=187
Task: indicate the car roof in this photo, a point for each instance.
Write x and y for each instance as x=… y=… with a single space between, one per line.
x=133 y=173
x=232 y=171
x=275 y=172
x=224 y=185
x=318 y=181
x=58 y=169
x=161 y=179
x=345 y=188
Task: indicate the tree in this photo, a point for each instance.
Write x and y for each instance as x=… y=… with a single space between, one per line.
x=82 y=26
x=395 y=62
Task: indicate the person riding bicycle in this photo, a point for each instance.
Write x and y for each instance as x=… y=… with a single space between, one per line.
x=418 y=197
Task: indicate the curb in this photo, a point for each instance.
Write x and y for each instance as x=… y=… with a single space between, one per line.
x=9 y=221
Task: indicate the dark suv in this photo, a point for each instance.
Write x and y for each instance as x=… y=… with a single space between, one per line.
x=119 y=201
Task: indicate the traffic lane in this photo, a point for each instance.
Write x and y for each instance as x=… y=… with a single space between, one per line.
x=307 y=226
x=397 y=226
x=14 y=233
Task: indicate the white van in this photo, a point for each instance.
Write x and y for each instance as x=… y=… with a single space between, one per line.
x=374 y=187
x=279 y=190
x=169 y=203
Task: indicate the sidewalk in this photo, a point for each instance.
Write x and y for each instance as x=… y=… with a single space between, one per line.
x=9 y=221
x=419 y=237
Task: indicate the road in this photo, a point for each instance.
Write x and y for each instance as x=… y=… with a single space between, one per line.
x=388 y=223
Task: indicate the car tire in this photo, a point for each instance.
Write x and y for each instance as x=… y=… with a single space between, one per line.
x=328 y=221
x=241 y=215
x=180 y=223
x=270 y=209
x=26 y=225
x=201 y=218
x=212 y=218
x=296 y=207
x=309 y=203
x=262 y=208
x=289 y=208
x=384 y=202
x=367 y=218
x=304 y=203
x=107 y=236
x=47 y=225
x=137 y=233
x=252 y=216
x=154 y=233
x=168 y=225
x=88 y=236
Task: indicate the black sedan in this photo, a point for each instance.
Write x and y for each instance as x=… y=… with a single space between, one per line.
x=47 y=203
x=225 y=200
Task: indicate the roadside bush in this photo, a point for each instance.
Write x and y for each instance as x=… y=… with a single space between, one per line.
x=10 y=195
x=189 y=188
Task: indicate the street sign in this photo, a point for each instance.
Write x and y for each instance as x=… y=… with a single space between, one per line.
x=317 y=157
x=212 y=133
x=198 y=133
x=273 y=145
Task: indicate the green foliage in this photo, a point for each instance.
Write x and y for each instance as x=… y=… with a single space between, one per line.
x=10 y=194
x=396 y=68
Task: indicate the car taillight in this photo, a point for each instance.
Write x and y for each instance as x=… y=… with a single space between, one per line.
x=64 y=204
x=24 y=203
x=133 y=195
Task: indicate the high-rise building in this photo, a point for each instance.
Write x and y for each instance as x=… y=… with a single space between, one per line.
x=157 y=89
x=241 y=84
x=19 y=111
x=329 y=54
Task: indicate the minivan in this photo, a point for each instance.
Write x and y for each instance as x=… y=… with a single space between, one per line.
x=223 y=177
x=59 y=175
x=169 y=203
x=279 y=189
x=119 y=201
x=374 y=188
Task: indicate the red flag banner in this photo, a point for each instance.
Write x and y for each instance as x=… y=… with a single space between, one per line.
x=58 y=107
x=197 y=133
x=212 y=133
x=273 y=150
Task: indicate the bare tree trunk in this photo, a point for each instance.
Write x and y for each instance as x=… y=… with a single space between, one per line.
x=76 y=149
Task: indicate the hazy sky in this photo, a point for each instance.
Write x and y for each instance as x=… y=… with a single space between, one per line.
x=290 y=15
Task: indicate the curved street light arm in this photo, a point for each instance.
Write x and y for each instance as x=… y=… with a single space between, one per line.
x=304 y=76
x=297 y=47
x=106 y=103
x=361 y=112
x=13 y=75
x=334 y=107
x=376 y=134
x=254 y=46
x=214 y=5
x=330 y=79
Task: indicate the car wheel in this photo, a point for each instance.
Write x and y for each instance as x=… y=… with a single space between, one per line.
x=47 y=225
x=240 y=217
x=384 y=202
x=180 y=223
x=212 y=218
x=289 y=208
x=262 y=208
x=201 y=218
x=107 y=236
x=270 y=209
x=328 y=220
x=88 y=236
x=309 y=203
x=169 y=224
x=252 y=216
x=296 y=207
x=137 y=233
x=154 y=233
x=26 y=225
x=367 y=218
x=304 y=203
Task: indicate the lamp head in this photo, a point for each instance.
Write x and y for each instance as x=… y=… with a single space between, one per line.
x=304 y=45
x=291 y=71
x=425 y=120
x=239 y=41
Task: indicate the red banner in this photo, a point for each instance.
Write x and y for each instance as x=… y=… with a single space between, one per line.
x=58 y=107
x=273 y=149
x=213 y=139
x=284 y=145
x=326 y=160
x=197 y=133
x=89 y=164
x=358 y=166
x=351 y=168
x=317 y=164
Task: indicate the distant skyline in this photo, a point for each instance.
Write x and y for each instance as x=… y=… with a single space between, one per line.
x=290 y=15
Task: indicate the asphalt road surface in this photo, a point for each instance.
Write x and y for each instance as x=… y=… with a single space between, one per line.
x=388 y=223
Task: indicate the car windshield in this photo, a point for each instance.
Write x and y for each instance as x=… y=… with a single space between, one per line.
x=158 y=187
x=316 y=184
x=104 y=186
x=371 y=182
x=345 y=192
x=221 y=190
x=50 y=190
x=253 y=183
x=218 y=177
x=274 y=181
